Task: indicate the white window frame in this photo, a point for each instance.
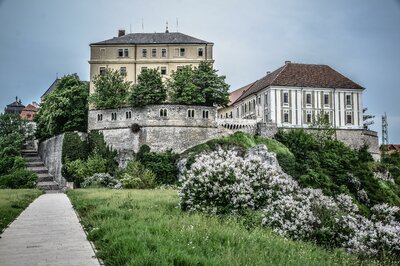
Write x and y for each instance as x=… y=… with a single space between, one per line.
x=144 y=52
x=286 y=114
x=308 y=103
x=327 y=102
x=349 y=114
x=164 y=52
x=308 y=115
x=182 y=52
x=285 y=103
x=348 y=99
x=153 y=52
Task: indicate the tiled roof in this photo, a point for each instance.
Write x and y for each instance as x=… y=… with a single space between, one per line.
x=234 y=95
x=302 y=75
x=30 y=107
x=392 y=147
x=52 y=87
x=153 y=38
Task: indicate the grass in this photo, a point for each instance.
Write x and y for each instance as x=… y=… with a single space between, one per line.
x=13 y=202
x=146 y=227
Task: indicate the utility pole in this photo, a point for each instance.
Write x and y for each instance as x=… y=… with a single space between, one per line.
x=385 y=133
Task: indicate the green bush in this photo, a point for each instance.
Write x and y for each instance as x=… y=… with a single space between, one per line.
x=73 y=147
x=76 y=171
x=163 y=164
x=19 y=178
x=97 y=145
x=135 y=175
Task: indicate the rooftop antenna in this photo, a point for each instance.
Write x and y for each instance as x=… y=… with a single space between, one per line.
x=177 y=25
x=166 y=29
x=385 y=133
x=142 y=26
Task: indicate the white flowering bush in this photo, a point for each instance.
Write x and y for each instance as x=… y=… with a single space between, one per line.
x=101 y=180
x=223 y=182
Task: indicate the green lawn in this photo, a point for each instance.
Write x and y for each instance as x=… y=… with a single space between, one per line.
x=146 y=227
x=13 y=202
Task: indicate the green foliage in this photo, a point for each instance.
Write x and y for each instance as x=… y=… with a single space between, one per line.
x=145 y=227
x=335 y=168
x=163 y=164
x=97 y=145
x=111 y=90
x=199 y=86
x=10 y=124
x=65 y=109
x=149 y=89
x=73 y=148
x=391 y=162
x=78 y=170
x=19 y=178
x=135 y=175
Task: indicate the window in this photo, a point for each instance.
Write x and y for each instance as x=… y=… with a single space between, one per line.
x=122 y=70
x=190 y=113
x=200 y=52
x=182 y=52
x=205 y=114
x=286 y=98
x=308 y=117
x=245 y=107
x=102 y=70
x=163 y=70
x=266 y=99
x=113 y=116
x=143 y=68
x=326 y=99
x=123 y=52
x=179 y=68
x=349 y=118
x=230 y=115
x=128 y=115
x=99 y=117
x=348 y=99
x=154 y=52
x=237 y=112
x=286 y=117
x=308 y=98
x=163 y=52
x=163 y=112
x=259 y=100
x=144 y=52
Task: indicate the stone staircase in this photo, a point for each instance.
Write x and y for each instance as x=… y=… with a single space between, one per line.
x=45 y=180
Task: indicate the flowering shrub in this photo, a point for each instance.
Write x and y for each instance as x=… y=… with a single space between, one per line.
x=101 y=180
x=135 y=175
x=223 y=182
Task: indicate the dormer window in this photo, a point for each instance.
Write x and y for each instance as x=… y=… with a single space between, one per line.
x=200 y=52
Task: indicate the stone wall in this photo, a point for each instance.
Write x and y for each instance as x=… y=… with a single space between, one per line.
x=178 y=130
x=357 y=138
x=50 y=152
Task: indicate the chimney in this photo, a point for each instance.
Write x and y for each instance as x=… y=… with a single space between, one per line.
x=287 y=62
x=121 y=33
x=268 y=72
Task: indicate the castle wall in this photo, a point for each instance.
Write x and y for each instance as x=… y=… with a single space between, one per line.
x=50 y=151
x=177 y=130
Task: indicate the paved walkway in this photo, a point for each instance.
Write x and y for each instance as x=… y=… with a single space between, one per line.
x=46 y=233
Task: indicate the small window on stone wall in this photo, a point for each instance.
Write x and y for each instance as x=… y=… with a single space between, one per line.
x=99 y=117
x=113 y=116
x=163 y=112
x=205 y=114
x=128 y=115
x=190 y=113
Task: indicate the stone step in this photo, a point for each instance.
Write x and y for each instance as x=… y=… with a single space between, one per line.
x=32 y=159
x=34 y=164
x=29 y=154
x=39 y=170
x=48 y=185
x=28 y=151
x=45 y=178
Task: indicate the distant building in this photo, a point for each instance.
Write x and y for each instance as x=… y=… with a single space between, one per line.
x=391 y=148
x=295 y=94
x=15 y=107
x=52 y=87
x=227 y=112
x=134 y=52
x=29 y=112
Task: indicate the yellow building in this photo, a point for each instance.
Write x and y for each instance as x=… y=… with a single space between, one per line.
x=134 y=52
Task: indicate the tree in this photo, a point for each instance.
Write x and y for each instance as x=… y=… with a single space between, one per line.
x=64 y=109
x=111 y=90
x=200 y=86
x=149 y=89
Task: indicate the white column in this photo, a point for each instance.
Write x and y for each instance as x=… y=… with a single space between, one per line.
x=278 y=107
x=271 y=99
x=355 y=110
x=343 y=109
x=299 y=108
x=293 y=103
x=336 y=113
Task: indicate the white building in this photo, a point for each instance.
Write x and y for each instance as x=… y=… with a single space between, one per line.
x=294 y=94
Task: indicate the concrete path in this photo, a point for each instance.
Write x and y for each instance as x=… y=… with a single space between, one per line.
x=48 y=232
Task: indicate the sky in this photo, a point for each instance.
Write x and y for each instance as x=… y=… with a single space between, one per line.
x=359 y=38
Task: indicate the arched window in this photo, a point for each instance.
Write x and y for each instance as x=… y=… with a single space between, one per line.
x=163 y=112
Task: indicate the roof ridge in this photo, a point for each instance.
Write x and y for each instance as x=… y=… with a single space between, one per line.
x=277 y=74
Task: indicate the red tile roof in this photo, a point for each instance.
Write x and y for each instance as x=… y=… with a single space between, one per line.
x=30 y=107
x=234 y=95
x=302 y=75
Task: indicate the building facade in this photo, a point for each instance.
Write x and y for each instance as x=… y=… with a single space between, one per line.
x=294 y=95
x=134 y=52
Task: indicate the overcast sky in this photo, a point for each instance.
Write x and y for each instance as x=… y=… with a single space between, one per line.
x=360 y=39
